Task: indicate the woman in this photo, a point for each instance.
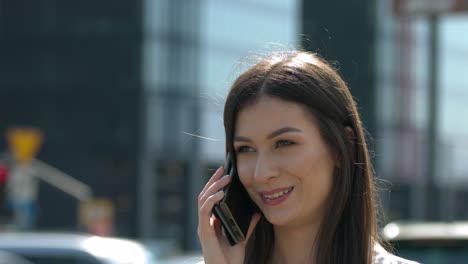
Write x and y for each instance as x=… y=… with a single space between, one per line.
x=301 y=154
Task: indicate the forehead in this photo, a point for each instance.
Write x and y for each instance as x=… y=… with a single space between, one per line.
x=269 y=113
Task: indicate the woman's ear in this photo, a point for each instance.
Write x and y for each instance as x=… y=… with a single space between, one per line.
x=350 y=133
x=351 y=136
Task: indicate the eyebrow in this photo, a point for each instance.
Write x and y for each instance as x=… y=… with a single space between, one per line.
x=272 y=134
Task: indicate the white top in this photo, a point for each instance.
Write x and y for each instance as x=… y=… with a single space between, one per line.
x=383 y=257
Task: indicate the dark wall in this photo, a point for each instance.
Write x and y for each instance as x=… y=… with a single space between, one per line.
x=73 y=69
x=344 y=31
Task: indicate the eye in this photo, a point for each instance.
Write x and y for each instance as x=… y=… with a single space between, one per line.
x=244 y=149
x=284 y=143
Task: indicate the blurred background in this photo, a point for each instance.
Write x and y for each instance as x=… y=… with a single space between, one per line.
x=111 y=111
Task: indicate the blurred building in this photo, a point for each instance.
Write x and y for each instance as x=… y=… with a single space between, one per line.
x=421 y=55
x=192 y=51
x=384 y=53
x=130 y=94
x=73 y=69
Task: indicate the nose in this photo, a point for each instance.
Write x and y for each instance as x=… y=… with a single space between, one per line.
x=265 y=169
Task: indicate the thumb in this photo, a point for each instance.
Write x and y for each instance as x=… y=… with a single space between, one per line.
x=253 y=223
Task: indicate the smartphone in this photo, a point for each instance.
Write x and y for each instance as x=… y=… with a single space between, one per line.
x=236 y=208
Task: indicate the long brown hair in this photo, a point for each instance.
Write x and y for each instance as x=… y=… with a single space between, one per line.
x=349 y=234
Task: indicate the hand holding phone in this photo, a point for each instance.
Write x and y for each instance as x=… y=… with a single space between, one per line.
x=215 y=247
x=236 y=208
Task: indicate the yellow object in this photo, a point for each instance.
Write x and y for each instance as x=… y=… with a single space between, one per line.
x=24 y=143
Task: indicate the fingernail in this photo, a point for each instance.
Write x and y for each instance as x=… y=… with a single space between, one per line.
x=218 y=169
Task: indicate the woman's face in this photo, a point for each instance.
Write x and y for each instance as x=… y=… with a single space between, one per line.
x=282 y=161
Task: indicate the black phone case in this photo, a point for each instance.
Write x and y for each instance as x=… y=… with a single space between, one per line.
x=235 y=210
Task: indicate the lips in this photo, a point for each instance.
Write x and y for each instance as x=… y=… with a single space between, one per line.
x=276 y=196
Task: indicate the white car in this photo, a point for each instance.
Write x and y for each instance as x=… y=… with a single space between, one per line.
x=70 y=248
x=9 y=258
x=188 y=258
x=429 y=242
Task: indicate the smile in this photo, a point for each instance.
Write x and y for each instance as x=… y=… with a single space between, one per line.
x=277 y=196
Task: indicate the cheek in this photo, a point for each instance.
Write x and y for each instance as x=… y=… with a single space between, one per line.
x=301 y=162
x=319 y=172
x=245 y=171
x=315 y=160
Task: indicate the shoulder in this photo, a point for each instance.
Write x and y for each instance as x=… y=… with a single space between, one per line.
x=381 y=256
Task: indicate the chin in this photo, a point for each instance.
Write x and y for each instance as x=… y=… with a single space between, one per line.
x=278 y=219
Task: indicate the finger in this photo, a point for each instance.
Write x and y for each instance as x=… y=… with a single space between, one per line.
x=204 y=214
x=216 y=176
x=215 y=187
x=253 y=223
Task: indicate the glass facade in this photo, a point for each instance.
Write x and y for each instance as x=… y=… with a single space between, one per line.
x=404 y=119
x=453 y=97
x=230 y=32
x=192 y=51
x=72 y=69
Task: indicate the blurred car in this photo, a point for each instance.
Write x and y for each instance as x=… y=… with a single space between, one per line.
x=187 y=258
x=429 y=242
x=9 y=258
x=69 y=248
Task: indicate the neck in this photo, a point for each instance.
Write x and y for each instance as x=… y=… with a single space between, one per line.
x=295 y=244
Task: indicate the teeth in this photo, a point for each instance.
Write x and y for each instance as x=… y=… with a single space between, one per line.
x=276 y=195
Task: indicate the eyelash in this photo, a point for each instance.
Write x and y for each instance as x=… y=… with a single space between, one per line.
x=243 y=149
x=288 y=143
x=278 y=144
